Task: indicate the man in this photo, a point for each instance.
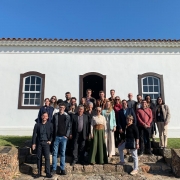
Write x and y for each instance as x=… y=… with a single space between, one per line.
x=62 y=131
x=80 y=132
x=112 y=98
x=144 y=119
x=131 y=102
x=46 y=108
x=67 y=101
x=123 y=113
x=73 y=106
x=101 y=102
x=41 y=140
x=89 y=98
x=139 y=102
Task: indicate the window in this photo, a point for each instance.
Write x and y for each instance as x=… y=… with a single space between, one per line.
x=151 y=84
x=31 y=90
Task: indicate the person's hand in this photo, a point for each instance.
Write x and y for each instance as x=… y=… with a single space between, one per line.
x=49 y=142
x=166 y=123
x=91 y=136
x=120 y=143
x=65 y=137
x=121 y=131
x=145 y=125
x=33 y=146
x=70 y=136
x=137 y=146
x=114 y=129
x=104 y=137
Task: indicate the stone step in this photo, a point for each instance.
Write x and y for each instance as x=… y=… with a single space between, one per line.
x=96 y=169
x=32 y=159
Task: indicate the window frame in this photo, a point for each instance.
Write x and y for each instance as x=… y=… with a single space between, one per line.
x=160 y=77
x=21 y=85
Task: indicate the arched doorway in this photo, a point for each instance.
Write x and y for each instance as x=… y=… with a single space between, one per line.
x=94 y=81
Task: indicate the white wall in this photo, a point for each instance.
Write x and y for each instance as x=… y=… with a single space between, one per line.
x=63 y=66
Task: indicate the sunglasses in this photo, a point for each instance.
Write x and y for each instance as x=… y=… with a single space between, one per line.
x=53 y=98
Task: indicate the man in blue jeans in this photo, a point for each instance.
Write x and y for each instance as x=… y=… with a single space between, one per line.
x=62 y=131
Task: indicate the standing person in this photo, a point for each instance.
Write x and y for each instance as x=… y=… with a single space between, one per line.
x=62 y=131
x=162 y=118
x=123 y=113
x=131 y=134
x=109 y=115
x=131 y=102
x=89 y=98
x=151 y=105
x=53 y=102
x=101 y=102
x=73 y=106
x=80 y=132
x=83 y=103
x=41 y=140
x=56 y=110
x=144 y=119
x=112 y=98
x=138 y=104
x=98 y=152
x=117 y=108
x=67 y=101
x=46 y=108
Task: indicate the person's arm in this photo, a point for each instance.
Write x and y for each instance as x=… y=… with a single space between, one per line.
x=51 y=132
x=114 y=120
x=68 y=132
x=136 y=136
x=140 y=121
x=150 y=117
x=134 y=116
x=105 y=126
x=34 y=137
x=168 y=115
x=92 y=125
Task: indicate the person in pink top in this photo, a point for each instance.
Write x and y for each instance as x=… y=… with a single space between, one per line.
x=144 y=119
x=117 y=107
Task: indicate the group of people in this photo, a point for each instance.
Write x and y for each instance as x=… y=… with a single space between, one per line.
x=95 y=127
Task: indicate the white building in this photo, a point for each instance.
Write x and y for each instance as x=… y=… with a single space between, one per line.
x=32 y=69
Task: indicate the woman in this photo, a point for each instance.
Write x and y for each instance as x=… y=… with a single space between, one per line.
x=98 y=134
x=132 y=135
x=151 y=105
x=54 y=104
x=117 y=108
x=83 y=103
x=109 y=115
x=162 y=118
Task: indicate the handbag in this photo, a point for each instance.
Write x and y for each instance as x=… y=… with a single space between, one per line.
x=130 y=143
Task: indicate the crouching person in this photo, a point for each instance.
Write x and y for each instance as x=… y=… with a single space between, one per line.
x=41 y=140
x=131 y=142
x=62 y=131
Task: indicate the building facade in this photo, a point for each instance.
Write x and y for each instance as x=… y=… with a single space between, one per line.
x=33 y=69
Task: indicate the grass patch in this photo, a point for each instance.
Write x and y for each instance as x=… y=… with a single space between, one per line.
x=13 y=140
x=19 y=141
x=172 y=143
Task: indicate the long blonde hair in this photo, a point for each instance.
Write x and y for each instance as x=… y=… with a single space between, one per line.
x=111 y=108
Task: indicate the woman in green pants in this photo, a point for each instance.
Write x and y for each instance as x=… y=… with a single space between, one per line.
x=98 y=152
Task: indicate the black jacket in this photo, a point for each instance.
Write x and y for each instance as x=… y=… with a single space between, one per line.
x=36 y=133
x=122 y=118
x=55 y=125
x=75 y=126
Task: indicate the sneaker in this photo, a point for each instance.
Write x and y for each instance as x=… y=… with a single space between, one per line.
x=134 y=172
x=73 y=163
x=37 y=176
x=63 y=172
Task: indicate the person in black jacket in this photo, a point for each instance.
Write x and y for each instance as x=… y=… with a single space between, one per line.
x=80 y=132
x=62 y=131
x=123 y=113
x=41 y=140
x=46 y=108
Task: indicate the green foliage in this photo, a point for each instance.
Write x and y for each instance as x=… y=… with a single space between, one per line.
x=13 y=140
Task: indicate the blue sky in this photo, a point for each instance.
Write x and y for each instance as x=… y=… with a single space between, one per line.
x=91 y=19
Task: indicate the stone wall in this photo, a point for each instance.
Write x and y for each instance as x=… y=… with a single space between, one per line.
x=176 y=161
x=9 y=163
